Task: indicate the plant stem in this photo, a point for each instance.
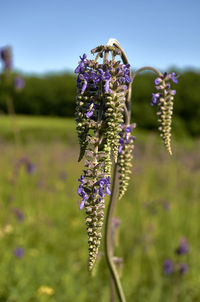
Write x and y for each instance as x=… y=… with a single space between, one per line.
x=108 y=237
x=146 y=68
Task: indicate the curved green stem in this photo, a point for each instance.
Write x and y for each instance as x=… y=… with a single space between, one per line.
x=108 y=237
x=147 y=68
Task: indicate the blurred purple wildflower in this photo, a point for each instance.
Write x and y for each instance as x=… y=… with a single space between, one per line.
x=183 y=247
x=19 y=252
x=168 y=267
x=183 y=268
x=19 y=214
x=19 y=82
x=29 y=166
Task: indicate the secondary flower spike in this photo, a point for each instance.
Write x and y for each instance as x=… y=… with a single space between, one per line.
x=163 y=98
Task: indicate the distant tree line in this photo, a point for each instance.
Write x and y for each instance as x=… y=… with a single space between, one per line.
x=55 y=94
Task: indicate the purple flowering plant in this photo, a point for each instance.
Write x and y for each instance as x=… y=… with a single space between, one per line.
x=8 y=80
x=104 y=128
x=175 y=266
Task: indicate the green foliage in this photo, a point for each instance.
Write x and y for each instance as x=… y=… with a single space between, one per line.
x=160 y=206
x=54 y=95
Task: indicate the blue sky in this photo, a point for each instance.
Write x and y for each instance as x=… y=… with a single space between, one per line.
x=50 y=35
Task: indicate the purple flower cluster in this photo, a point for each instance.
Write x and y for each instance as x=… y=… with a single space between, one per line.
x=125 y=137
x=104 y=185
x=164 y=87
x=100 y=187
x=169 y=266
x=91 y=74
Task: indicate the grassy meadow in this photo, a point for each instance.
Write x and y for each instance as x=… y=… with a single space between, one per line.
x=43 y=239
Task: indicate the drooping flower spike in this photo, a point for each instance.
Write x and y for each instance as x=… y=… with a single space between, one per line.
x=163 y=98
x=102 y=90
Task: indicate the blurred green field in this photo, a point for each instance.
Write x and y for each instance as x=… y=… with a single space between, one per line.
x=39 y=214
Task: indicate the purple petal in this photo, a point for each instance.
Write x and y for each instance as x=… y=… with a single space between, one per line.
x=84 y=86
x=157 y=81
x=89 y=113
x=108 y=192
x=120 y=149
x=80 y=189
x=172 y=92
x=82 y=204
x=106 y=86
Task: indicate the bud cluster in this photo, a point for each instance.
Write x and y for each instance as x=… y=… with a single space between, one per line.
x=125 y=156
x=164 y=100
x=100 y=102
